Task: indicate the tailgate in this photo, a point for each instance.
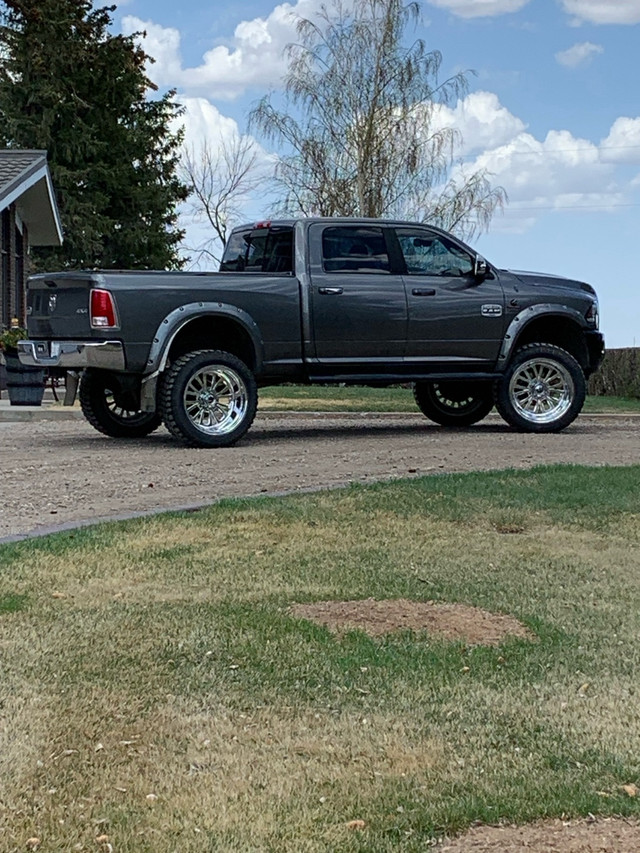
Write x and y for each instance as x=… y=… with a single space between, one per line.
x=58 y=306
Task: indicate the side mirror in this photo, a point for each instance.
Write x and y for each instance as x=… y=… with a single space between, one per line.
x=480 y=269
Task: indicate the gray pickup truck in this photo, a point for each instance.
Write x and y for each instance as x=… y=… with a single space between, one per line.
x=343 y=301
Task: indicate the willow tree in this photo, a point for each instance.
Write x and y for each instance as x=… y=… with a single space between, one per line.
x=362 y=129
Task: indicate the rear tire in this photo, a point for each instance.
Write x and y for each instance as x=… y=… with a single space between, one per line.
x=542 y=390
x=208 y=398
x=109 y=409
x=454 y=404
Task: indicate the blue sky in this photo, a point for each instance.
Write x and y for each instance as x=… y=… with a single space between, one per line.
x=553 y=113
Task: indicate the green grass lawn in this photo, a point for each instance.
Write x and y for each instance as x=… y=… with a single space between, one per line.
x=621 y=405
x=157 y=690
x=331 y=398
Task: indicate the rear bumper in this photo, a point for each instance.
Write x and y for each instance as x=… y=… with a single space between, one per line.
x=72 y=355
x=595 y=348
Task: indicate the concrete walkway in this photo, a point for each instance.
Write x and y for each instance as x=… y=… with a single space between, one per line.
x=48 y=411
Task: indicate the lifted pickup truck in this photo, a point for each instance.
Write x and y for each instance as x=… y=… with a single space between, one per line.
x=367 y=302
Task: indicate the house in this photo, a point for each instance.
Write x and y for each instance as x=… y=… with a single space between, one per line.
x=29 y=217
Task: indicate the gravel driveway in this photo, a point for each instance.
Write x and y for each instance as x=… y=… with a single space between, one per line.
x=64 y=472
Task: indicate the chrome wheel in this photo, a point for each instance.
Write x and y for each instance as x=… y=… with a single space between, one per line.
x=113 y=409
x=541 y=390
x=208 y=398
x=455 y=404
x=446 y=397
x=216 y=400
x=116 y=409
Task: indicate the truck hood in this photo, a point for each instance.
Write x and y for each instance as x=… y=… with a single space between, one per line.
x=543 y=279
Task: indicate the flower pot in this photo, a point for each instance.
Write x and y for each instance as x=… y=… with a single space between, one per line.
x=24 y=384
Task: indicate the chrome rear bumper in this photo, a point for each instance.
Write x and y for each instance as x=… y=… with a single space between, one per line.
x=72 y=355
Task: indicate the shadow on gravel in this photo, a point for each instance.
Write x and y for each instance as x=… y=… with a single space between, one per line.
x=258 y=435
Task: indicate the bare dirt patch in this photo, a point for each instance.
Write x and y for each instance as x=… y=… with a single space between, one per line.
x=453 y=622
x=606 y=835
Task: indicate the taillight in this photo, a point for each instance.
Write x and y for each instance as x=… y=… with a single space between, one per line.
x=103 y=310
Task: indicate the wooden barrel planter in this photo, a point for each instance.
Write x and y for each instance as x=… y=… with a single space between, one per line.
x=25 y=385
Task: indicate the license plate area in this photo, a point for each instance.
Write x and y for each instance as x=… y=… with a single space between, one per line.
x=42 y=349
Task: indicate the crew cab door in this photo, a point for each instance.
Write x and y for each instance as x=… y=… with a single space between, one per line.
x=358 y=305
x=453 y=317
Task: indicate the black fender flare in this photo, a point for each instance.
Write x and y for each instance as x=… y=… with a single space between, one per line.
x=173 y=324
x=524 y=319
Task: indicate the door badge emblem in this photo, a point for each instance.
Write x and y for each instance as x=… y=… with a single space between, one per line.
x=491 y=310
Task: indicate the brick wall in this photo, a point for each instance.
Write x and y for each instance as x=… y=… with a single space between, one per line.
x=14 y=264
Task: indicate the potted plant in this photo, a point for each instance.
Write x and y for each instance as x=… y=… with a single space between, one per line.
x=24 y=384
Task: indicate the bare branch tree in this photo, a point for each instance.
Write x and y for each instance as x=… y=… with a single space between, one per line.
x=361 y=127
x=220 y=177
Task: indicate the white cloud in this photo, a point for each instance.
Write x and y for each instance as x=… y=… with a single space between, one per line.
x=604 y=11
x=559 y=172
x=480 y=8
x=579 y=54
x=543 y=172
x=203 y=121
x=622 y=145
x=591 y=11
x=482 y=121
x=162 y=44
x=204 y=124
x=254 y=57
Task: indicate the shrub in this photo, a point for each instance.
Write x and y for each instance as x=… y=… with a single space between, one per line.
x=618 y=375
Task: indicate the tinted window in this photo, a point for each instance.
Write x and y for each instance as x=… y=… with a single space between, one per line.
x=278 y=256
x=432 y=254
x=259 y=250
x=235 y=252
x=354 y=248
x=256 y=248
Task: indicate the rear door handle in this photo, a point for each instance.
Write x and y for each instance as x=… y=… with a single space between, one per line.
x=330 y=291
x=421 y=291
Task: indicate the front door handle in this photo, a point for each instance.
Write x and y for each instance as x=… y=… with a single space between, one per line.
x=422 y=291
x=330 y=291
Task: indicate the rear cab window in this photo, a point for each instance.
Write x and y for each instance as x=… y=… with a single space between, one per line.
x=260 y=249
x=354 y=248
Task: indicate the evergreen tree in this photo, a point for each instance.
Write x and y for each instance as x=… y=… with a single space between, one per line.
x=72 y=87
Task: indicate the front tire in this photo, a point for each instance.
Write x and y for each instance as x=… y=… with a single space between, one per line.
x=110 y=409
x=208 y=398
x=542 y=390
x=455 y=404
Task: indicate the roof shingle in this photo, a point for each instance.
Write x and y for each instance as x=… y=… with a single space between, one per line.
x=16 y=166
x=25 y=181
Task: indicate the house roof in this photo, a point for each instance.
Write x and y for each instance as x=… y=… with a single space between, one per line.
x=25 y=180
